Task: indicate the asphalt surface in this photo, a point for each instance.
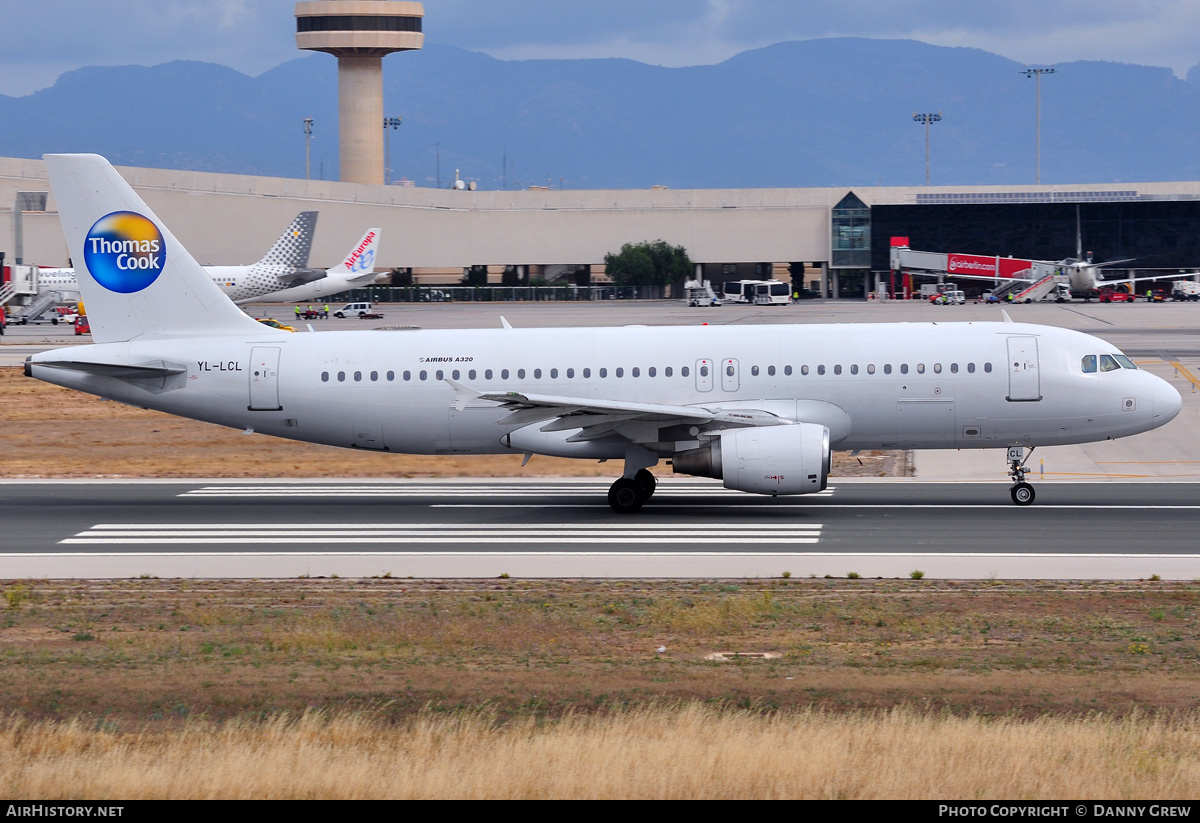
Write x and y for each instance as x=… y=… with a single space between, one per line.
x=556 y=528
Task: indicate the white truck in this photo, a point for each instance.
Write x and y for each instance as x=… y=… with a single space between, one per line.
x=1186 y=290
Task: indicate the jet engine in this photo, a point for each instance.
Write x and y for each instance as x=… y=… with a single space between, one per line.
x=791 y=459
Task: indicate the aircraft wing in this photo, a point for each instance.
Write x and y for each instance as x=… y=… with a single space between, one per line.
x=599 y=418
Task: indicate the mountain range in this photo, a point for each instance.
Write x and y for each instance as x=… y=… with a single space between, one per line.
x=829 y=112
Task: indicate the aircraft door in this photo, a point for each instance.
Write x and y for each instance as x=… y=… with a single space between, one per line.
x=704 y=375
x=264 y=379
x=1024 y=380
x=729 y=375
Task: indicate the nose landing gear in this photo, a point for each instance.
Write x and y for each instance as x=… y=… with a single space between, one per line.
x=1022 y=492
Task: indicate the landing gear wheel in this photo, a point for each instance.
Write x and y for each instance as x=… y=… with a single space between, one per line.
x=625 y=496
x=1022 y=494
x=647 y=482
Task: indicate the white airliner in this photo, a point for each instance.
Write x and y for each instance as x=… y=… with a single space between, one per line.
x=281 y=275
x=759 y=407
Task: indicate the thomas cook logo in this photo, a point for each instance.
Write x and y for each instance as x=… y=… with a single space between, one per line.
x=124 y=252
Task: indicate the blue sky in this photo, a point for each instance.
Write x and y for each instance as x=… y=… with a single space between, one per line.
x=43 y=39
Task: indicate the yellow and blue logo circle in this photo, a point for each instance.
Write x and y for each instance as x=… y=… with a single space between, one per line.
x=124 y=251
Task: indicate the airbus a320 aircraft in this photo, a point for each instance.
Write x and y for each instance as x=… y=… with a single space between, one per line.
x=759 y=407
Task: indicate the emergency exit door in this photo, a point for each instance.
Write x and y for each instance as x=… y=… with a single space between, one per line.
x=1024 y=379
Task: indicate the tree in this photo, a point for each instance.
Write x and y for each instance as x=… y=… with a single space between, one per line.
x=475 y=276
x=402 y=277
x=654 y=264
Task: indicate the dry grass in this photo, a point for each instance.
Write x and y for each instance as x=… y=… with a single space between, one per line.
x=683 y=752
x=56 y=432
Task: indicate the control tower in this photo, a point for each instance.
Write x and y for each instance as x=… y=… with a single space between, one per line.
x=359 y=33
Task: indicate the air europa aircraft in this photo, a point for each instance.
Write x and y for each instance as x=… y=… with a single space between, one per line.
x=758 y=407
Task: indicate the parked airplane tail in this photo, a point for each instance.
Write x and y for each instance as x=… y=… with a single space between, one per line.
x=137 y=280
x=360 y=262
x=292 y=248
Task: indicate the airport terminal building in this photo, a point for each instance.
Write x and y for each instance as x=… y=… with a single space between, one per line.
x=835 y=240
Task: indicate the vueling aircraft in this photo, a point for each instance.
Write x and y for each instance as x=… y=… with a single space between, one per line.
x=759 y=407
x=282 y=274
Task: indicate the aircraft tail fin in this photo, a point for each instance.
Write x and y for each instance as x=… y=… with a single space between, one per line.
x=360 y=262
x=137 y=280
x=292 y=248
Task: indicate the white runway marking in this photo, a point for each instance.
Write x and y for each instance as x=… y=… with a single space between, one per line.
x=170 y=534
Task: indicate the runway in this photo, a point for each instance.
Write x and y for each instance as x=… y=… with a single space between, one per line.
x=564 y=528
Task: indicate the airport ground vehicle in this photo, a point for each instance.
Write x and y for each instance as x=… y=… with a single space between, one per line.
x=275 y=324
x=949 y=297
x=82 y=326
x=354 y=310
x=1111 y=295
x=1185 y=290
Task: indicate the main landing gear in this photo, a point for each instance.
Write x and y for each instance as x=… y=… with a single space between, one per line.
x=628 y=494
x=1022 y=492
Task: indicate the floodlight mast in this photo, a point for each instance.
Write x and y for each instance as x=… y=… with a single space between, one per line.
x=927 y=119
x=1036 y=74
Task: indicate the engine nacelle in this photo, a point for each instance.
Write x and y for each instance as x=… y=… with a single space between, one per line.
x=793 y=459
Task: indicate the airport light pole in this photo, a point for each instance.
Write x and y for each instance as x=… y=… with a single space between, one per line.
x=1036 y=74
x=308 y=121
x=390 y=124
x=927 y=119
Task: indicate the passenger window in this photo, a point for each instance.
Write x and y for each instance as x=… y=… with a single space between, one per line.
x=904 y=368
x=635 y=372
x=704 y=371
x=754 y=370
x=771 y=371
x=570 y=374
x=804 y=369
x=667 y=372
x=987 y=367
x=454 y=374
x=820 y=369
x=685 y=371
x=651 y=372
x=424 y=375
x=787 y=370
x=341 y=377
x=870 y=368
x=920 y=368
x=1108 y=363
x=471 y=374
x=487 y=374
x=324 y=377
x=937 y=368
x=837 y=369
x=391 y=376
x=970 y=368
x=441 y=375
x=520 y=374
x=604 y=372
x=503 y=374
x=537 y=374
x=554 y=374
x=407 y=376
x=620 y=371
x=954 y=368
x=887 y=368
x=587 y=373
x=854 y=369
x=374 y=376
x=729 y=370
x=1089 y=364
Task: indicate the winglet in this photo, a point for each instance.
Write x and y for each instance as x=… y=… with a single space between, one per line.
x=462 y=394
x=1007 y=319
x=505 y=323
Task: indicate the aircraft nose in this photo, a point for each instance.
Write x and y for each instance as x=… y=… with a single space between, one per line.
x=1167 y=401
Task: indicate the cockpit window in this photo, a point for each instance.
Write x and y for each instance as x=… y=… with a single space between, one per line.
x=1089 y=364
x=1125 y=362
x=1108 y=363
